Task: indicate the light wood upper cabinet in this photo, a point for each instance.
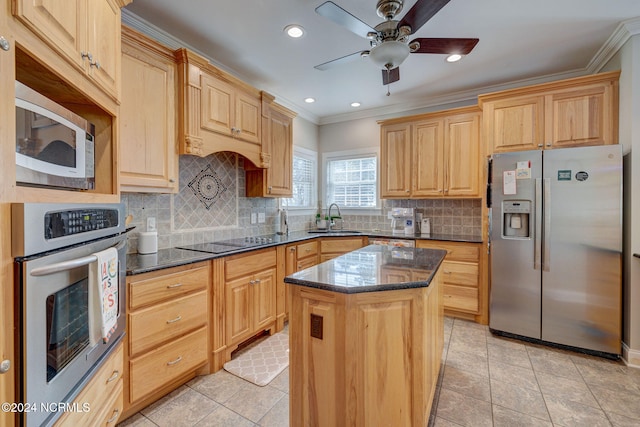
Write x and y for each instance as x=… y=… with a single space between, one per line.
x=277 y=145
x=85 y=33
x=217 y=112
x=569 y=113
x=395 y=141
x=462 y=155
x=229 y=111
x=148 y=128
x=431 y=155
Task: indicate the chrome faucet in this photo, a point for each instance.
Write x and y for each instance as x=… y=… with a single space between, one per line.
x=331 y=223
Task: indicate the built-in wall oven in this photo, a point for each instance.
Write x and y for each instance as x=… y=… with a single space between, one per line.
x=60 y=329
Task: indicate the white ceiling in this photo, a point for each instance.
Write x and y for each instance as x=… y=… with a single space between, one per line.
x=519 y=41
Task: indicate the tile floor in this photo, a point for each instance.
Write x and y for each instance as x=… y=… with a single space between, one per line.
x=485 y=381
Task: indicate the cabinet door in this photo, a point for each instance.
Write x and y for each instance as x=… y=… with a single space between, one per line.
x=148 y=120
x=514 y=124
x=280 y=145
x=580 y=117
x=237 y=307
x=427 y=158
x=395 y=161
x=462 y=155
x=216 y=105
x=248 y=117
x=264 y=299
x=62 y=24
x=103 y=42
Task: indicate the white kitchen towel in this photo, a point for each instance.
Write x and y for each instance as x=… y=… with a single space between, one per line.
x=103 y=291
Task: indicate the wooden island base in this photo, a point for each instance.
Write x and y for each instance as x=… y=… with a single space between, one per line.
x=365 y=359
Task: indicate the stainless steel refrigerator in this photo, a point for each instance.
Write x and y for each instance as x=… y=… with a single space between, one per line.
x=556 y=242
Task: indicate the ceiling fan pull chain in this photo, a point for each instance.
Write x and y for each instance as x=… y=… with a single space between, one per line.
x=388 y=82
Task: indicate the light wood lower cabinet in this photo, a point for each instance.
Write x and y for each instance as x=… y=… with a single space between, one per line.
x=250 y=296
x=332 y=247
x=297 y=257
x=167 y=331
x=465 y=294
x=101 y=402
x=373 y=359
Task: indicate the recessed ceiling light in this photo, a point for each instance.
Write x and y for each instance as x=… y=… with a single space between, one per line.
x=294 y=31
x=355 y=104
x=454 y=57
x=309 y=100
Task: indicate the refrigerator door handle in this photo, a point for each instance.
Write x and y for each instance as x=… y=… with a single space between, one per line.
x=546 y=204
x=537 y=232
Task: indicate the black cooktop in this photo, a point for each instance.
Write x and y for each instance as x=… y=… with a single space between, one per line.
x=229 y=245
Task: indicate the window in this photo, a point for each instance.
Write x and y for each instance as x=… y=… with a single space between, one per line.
x=352 y=180
x=304 y=180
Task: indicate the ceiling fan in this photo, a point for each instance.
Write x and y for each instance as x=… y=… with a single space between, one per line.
x=389 y=40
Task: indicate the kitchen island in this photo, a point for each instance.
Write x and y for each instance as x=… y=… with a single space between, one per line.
x=366 y=336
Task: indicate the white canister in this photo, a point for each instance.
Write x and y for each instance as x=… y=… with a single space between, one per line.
x=425 y=226
x=148 y=242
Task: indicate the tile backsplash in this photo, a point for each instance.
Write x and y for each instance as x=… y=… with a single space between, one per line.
x=210 y=205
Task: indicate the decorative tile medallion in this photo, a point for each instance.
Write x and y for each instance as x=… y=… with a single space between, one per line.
x=207 y=197
x=207 y=187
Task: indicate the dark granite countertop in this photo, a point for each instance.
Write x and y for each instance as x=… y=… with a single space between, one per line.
x=636 y=255
x=173 y=257
x=372 y=269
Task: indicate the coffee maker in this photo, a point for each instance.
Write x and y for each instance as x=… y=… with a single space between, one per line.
x=404 y=221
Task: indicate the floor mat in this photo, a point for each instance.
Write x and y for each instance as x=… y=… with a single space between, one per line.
x=262 y=363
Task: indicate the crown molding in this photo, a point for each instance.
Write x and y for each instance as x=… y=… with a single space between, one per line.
x=623 y=32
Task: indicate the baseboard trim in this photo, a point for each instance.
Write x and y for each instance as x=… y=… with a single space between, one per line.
x=630 y=356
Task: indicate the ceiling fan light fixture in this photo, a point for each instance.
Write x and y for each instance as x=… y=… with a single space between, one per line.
x=389 y=55
x=454 y=57
x=294 y=31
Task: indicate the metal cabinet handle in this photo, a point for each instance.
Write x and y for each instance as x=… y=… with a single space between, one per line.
x=446 y=272
x=114 y=376
x=87 y=55
x=172 y=180
x=548 y=144
x=257 y=281
x=94 y=64
x=5 y=365
x=4 y=44
x=116 y=412
x=174 y=320
x=292 y=249
x=173 y=286
x=308 y=249
x=252 y=282
x=173 y=362
x=540 y=145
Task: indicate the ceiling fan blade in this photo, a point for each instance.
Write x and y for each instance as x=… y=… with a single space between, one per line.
x=338 y=61
x=390 y=76
x=340 y=16
x=445 y=45
x=421 y=12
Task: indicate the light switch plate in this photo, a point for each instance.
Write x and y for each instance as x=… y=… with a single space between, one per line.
x=261 y=217
x=254 y=218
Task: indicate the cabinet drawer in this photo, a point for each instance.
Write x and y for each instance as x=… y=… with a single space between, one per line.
x=460 y=273
x=100 y=392
x=164 y=364
x=113 y=409
x=340 y=245
x=455 y=252
x=304 y=250
x=167 y=286
x=306 y=263
x=461 y=298
x=241 y=265
x=154 y=325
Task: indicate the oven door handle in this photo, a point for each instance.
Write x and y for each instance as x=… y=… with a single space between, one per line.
x=71 y=264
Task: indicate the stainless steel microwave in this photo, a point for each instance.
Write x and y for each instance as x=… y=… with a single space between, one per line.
x=54 y=146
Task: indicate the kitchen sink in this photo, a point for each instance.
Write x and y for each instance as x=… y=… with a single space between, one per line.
x=334 y=232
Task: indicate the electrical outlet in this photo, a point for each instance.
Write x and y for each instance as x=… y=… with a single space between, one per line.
x=261 y=217
x=151 y=224
x=254 y=218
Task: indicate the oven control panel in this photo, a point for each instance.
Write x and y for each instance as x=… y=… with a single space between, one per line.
x=70 y=222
